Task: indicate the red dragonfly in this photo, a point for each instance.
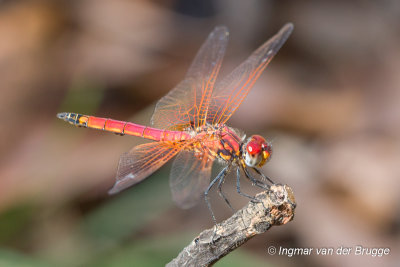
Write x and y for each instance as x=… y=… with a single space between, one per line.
x=189 y=123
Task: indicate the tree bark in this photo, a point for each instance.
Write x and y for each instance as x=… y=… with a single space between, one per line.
x=273 y=207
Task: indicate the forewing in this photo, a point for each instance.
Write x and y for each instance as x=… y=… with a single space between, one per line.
x=141 y=161
x=187 y=104
x=189 y=179
x=231 y=91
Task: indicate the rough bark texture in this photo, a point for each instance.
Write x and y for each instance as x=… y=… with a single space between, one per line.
x=274 y=207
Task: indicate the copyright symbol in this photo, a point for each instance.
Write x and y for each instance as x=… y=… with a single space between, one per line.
x=271 y=250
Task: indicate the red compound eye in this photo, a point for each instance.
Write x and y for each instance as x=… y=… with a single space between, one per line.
x=258 y=151
x=254 y=147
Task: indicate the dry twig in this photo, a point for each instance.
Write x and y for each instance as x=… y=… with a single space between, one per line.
x=275 y=207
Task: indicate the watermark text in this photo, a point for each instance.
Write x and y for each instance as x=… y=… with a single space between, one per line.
x=357 y=250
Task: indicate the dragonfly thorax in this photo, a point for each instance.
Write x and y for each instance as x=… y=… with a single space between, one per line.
x=256 y=151
x=216 y=142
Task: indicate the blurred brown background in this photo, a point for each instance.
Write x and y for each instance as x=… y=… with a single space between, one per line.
x=329 y=101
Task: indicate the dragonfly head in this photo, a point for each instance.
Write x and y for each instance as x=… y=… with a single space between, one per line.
x=257 y=151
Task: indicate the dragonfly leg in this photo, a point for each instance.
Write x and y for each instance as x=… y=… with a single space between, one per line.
x=254 y=180
x=221 y=181
x=238 y=185
x=263 y=176
x=221 y=175
x=240 y=192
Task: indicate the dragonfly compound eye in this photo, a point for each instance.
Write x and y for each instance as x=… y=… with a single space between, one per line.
x=257 y=152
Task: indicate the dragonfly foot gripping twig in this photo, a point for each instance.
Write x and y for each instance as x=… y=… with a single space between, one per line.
x=276 y=207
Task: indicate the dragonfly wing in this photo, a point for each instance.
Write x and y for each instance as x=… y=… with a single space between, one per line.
x=141 y=161
x=189 y=179
x=231 y=91
x=187 y=104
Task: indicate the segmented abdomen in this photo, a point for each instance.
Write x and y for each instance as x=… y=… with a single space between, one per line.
x=122 y=127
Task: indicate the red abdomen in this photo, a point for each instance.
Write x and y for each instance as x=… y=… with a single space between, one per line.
x=122 y=127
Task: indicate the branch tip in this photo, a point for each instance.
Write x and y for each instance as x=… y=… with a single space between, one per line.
x=272 y=207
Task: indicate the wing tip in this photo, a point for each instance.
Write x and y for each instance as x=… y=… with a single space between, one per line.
x=221 y=29
x=276 y=42
x=114 y=190
x=119 y=186
x=289 y=25
x=185 y=204
x=287 y=29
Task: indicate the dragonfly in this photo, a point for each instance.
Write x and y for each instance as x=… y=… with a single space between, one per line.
x=189 y=123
